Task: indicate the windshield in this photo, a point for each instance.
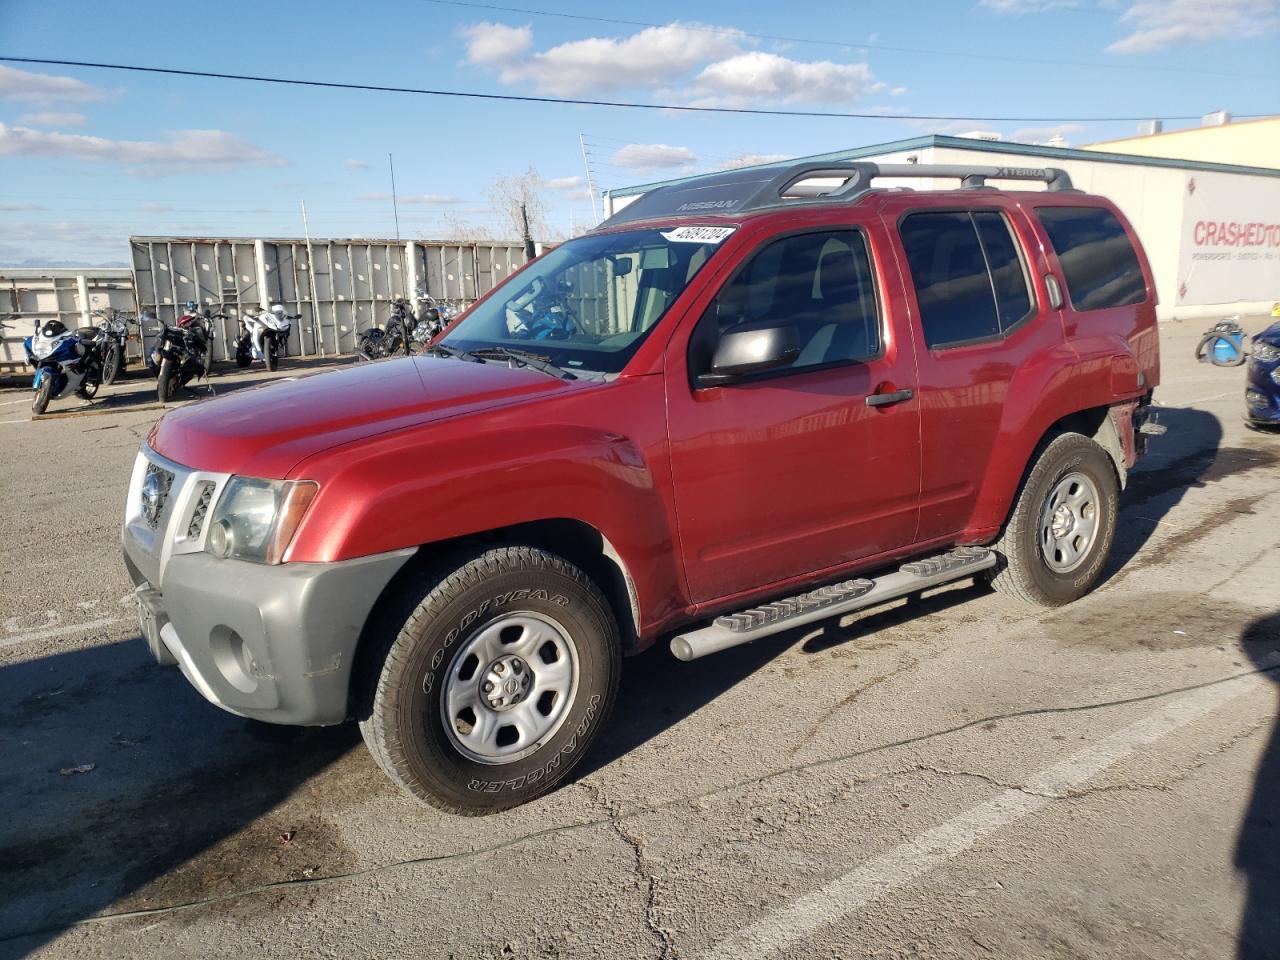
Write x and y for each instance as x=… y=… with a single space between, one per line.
x=589 y=303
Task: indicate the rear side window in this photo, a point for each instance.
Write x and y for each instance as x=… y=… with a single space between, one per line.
x=1098 y=261
x=969 y=278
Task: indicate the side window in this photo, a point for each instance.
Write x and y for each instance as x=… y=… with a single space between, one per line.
x=819 y=283
x=969 y=278
x=1008 y=278
x=1098 y=261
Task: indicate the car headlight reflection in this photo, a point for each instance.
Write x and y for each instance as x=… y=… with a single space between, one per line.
x=256 y=519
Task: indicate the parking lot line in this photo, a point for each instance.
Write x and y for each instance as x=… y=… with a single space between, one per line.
x=906 y=862
x=60 y=630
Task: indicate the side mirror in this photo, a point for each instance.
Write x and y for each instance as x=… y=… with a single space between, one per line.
x=752 y=350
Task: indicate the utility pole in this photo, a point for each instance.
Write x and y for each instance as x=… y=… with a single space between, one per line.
x=395 y=209
x=529 y=252
x=591 y=184
x=317 y=332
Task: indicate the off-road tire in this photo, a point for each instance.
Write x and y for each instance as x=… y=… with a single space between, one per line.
x=44 y=392
x=1022 y=571
x=167 y=384
x=403 y=672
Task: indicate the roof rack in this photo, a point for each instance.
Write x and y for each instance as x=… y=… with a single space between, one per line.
x=741 y=191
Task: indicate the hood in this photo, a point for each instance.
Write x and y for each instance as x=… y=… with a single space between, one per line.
x=1270 y=335
x=266 y=430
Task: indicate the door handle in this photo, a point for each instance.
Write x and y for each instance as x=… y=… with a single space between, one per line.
x=885 y=399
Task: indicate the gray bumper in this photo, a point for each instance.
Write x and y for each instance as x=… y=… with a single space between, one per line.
x=273 y=643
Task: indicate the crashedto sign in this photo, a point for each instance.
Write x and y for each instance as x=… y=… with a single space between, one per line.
x=1230 y=245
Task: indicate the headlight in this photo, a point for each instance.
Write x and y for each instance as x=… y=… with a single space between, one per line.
x=41 y=349
x=1266 y=352
x=256 y=519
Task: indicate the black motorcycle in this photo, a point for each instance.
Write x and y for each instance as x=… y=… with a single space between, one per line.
x=389 y=339
x=184 y=352
x=112 y=337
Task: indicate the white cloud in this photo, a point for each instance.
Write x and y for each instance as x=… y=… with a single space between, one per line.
x=180 y=152
x=156 y=208
x=562 y=183
x=655 y=56
x=22 y=205
x=426 y=199
x=898 y=91
x=1169 y=23
x=1042 y=135
x=45 y=87
x=950 y=128
x=753 y=159
x=496 y=43
x=51 y=119
x=648 y=156
x=356 y=164
x=757 y=75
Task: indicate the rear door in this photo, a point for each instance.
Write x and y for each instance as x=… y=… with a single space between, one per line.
x=791 y=472
x=977 y=321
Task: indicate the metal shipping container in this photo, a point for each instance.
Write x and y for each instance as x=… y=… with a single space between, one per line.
x=29 y=297
x=339 y=287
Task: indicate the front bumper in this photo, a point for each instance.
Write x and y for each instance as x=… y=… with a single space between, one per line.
x=1259 y=382
x=274 y=643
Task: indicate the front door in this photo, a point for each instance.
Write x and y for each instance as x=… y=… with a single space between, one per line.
x=792 y=471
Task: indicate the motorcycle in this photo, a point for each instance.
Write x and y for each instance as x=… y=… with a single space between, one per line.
x=264 y=336
x=433 y=317
x=65 y=362
x=113 y=335
x=184 y=351
x=389 y=339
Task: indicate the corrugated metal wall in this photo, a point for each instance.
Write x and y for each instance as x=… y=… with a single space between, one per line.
x=31 y=296
x=340 y=287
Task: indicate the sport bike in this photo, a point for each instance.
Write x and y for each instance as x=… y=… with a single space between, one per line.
x=184 y=351
x=65 y=363
x=264 y=336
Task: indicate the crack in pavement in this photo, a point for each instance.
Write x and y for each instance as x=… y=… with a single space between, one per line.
x=848 y=700
x=690 y=802
x=664 y=936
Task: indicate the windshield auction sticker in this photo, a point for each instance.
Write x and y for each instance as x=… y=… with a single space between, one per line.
x=697 y=234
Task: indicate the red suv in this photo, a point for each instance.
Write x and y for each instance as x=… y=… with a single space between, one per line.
x=744 y=403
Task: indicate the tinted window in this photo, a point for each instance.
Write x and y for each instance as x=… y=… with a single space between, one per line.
x=1013 y=300
x=950 y=277
x=1097 y=258
x=820 y=283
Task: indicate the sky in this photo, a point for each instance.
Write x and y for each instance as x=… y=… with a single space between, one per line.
x=89 y=157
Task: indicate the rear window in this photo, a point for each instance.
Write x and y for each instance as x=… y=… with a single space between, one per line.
x=1098 y=261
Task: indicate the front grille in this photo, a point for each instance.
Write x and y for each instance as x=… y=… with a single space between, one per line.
x=201 y=509
x=155 y=493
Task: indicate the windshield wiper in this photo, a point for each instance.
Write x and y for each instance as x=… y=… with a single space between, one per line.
x=453 y=352
x=524 y=358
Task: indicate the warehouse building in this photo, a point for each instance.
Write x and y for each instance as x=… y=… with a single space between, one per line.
x=1211 y=229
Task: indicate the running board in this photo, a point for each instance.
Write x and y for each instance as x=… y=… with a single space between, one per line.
x=834 y=600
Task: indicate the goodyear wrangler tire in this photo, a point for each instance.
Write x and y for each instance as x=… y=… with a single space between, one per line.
x=495 y=685
x=1060 y=531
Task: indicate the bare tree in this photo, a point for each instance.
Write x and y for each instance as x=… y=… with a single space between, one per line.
x=508 y=193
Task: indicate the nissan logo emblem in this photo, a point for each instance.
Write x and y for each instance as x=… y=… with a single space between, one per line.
x=151 y=498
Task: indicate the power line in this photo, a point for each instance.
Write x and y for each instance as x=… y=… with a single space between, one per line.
x=731 y=31
x=509 y=97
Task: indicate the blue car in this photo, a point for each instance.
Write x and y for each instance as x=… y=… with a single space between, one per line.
x=1262 y=388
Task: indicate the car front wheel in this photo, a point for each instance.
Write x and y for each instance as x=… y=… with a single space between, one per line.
x=495 y=685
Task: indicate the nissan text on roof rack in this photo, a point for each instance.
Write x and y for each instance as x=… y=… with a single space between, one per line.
x=744 y=403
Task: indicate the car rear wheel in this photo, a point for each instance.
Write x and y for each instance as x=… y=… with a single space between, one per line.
x=1059 y=534
x=493 y=687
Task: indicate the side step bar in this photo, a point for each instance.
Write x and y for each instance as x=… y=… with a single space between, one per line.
x=834 y=600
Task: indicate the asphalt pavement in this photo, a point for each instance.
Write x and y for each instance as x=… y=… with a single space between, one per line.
x=953 y=777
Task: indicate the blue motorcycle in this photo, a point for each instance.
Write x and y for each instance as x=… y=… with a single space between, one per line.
x=65 y=363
